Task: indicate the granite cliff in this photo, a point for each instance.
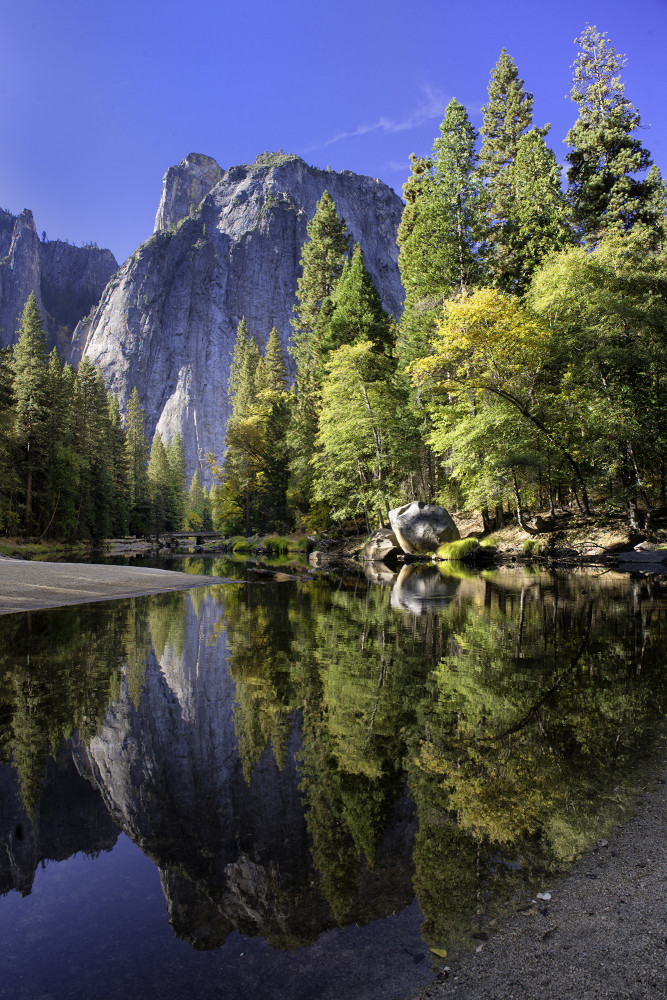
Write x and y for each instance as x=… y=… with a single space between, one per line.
x=67 y=280
x=167 y=321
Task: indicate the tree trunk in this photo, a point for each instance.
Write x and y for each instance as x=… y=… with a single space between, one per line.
x=486 y=520
x=28 y=499
x=519 y=511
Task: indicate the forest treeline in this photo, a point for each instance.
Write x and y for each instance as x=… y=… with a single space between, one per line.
x=526 y=372
x=70 y=467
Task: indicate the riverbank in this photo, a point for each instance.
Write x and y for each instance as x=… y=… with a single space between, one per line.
x=601 y=934
x=29 y=586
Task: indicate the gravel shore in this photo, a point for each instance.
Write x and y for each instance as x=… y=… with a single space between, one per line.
x=603 y=933
x=27 y=586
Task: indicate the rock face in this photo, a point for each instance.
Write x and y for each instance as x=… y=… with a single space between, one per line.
x=70 y=816
x=183 y=188
x=422 y=527
x=167 y=322
x=67 y=280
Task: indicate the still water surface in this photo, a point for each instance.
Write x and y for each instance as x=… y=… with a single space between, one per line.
x=309 y=789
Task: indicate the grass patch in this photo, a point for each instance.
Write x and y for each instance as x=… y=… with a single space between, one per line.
x=19 y=549
x=462 y=550
x=281 y=544
x=489 y=545
x=531 y=547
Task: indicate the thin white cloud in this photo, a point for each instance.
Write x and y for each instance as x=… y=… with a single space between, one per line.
x=432 y=105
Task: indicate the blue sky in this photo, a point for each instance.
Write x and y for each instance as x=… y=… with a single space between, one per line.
x=98 y=99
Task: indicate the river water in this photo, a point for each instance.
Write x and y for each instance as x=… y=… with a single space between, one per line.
x=310 y=788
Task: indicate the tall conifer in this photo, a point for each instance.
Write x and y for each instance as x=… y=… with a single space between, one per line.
x=136 y=444
x=605 y=156
x=31 y=403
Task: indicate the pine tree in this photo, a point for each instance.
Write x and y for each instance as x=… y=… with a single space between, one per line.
x=441 y=244
x=176 y=458
x=322 y=259
x=538 y=222
x=159 y=486
x=605 y=156
x=120 y=507
x=507 y=116
x=92 y=439
x=242 y=373
x=441 y=234
x=276 y=375
x=61 y=463
x=8 y=474
x=196 y=503
x=354 y=312
x=137 y=460
x=31 y=403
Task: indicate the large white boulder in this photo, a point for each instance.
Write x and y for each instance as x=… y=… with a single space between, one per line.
x=422 y=527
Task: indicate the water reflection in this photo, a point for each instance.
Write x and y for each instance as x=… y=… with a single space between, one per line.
x=297 y=755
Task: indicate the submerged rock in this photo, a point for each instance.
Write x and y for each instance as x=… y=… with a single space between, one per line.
x=422 y=527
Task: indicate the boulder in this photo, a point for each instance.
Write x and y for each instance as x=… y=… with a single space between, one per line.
x=382 y=546
x=422 y=527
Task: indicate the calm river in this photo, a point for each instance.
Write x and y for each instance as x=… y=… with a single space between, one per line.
x=310 y=789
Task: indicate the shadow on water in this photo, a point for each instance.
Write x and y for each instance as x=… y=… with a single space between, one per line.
x=300 y=757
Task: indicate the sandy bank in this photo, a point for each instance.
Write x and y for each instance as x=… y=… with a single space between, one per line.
x=27 y=586
x=603 y=933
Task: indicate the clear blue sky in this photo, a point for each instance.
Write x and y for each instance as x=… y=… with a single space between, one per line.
x=98 y=99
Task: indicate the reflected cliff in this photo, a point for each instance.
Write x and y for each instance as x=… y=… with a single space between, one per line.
x=298 y=755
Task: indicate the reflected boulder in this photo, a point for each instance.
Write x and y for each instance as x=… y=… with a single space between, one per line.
x=382 y=546
x=379 y=573
x=421 y=588
x=422 y=527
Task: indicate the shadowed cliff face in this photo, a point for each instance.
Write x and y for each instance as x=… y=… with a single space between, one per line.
x=70 y=816
x=167 y=323
x=67 y=280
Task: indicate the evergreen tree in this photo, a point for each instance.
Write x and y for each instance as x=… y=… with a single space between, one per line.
x=176 y=457
x=196 y=515
x=159 y=486
x=507 y=116
x=354 y=312
x=136 y=444
x=605 y=156
x=352 y=463
x=322 y=259
x=8 y=476
x=276 y=376
x=93 y=444
x=62 y=466
x=31 y=403
x=120 y=507
x=441 y=233
x=441 y=246
x=538 y=216
x=243 y=370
